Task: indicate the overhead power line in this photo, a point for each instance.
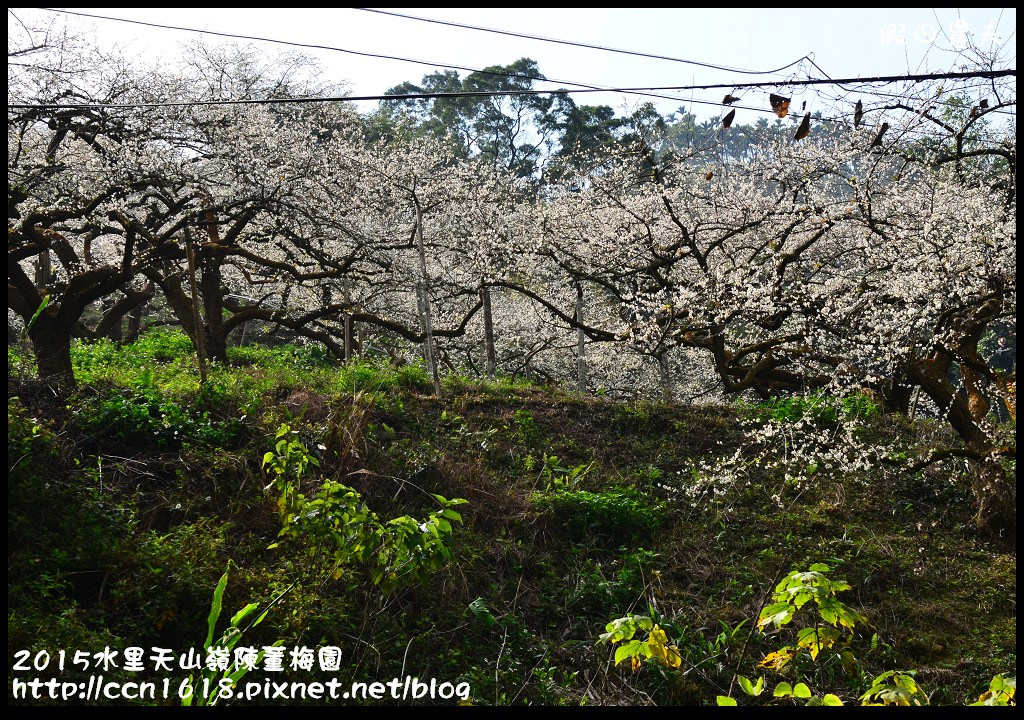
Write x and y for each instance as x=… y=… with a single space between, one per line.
x=989 y=74
x=585 y=86
x=361 y=53
x=573 y=43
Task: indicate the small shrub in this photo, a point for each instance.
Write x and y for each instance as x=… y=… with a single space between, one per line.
x=145 y=417
x=161 y=346
x=336 y=526
x=615 y=513
x=818 y=406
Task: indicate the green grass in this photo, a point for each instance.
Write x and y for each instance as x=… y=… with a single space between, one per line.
x=118 y=528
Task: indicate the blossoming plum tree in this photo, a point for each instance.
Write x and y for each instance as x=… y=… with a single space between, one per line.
x=833 y=262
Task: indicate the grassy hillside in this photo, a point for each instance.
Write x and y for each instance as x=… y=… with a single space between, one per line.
x=128 y=501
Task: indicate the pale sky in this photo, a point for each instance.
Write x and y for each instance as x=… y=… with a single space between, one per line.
x=844 y=43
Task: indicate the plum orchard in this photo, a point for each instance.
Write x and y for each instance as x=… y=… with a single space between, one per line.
x=831 y=263
x=810 y=265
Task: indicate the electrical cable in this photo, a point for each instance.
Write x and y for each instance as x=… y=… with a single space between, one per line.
x=587 y=45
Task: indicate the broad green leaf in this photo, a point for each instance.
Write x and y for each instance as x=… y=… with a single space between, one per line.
x=849 y=662
x=619 y=629
x=242 y=614
x=817 y=639
x=479 y=609
x=753 y=689
x=800 y=690
x=625 y=651
x=451 y=515
x=725 y=700
x=830 y=609
x=215 y=608
x=778 y=615
x=36 y=314
x=831 y=700
x=783 y=689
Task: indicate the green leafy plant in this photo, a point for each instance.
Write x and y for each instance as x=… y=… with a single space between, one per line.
x=162 y=346
x=337 y=524
x=1001 y=691
x=557 y=476
x=818 y=406
x=829 y=631
x=895 y=687
x=654 y=647
x=525 y=425
x=408 y=549
x=146 y=417
x=616 y=512
x=802 y=692
x=289 y=461
x=833 y=624
x=617 y=584
x=832 y=630
x=214 y=685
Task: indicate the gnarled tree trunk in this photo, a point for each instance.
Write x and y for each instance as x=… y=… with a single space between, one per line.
x=51 y=342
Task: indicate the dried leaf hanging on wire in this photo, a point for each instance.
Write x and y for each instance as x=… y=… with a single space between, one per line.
x=727 y=120
x=805 y=128
x=858 y=114
x=711 y=174
x=729 y=100
x=983 y=104
x=780 y=105
x=878 y=138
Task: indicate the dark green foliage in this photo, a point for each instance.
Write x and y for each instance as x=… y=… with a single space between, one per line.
x=818 y=405
x=144 y=417
x=118 y=530
x=619 y=512
x=615 y=585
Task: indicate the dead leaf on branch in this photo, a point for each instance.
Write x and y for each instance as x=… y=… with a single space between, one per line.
x=805 y=128
x=780 y=105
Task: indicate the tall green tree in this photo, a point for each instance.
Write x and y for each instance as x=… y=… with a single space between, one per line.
x=515 y=132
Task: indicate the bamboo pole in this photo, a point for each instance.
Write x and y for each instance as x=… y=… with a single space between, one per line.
x=197 y=320
x=424 y=293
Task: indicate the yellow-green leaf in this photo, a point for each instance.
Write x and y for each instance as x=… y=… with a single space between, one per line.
x=751 y=688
